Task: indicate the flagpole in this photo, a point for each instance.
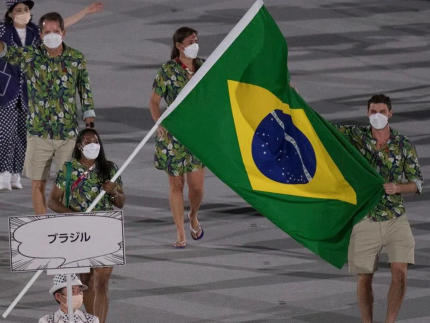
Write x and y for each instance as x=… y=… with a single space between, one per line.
x=20 y=295
x=124 y=166
x=69 y=298
x=190 y=85
x=90 y=208
x=212 y=59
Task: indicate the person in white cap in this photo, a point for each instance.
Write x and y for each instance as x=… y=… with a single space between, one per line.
x=59 y=290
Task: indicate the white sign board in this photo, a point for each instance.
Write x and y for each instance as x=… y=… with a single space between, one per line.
x=71 y=240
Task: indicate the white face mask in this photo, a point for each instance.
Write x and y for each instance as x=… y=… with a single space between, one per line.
x=191 y=51
x=22 y=19
x=52 y=40
x=77 y=301
x=378 y=121
x=91 y=151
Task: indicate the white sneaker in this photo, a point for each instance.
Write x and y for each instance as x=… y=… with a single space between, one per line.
x=15 y=181
x=5 y=181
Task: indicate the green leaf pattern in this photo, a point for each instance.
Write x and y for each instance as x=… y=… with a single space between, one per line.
x=173 y=157
x=53 y=84
x=170 y=155
x=88 y=189
x=396 y=160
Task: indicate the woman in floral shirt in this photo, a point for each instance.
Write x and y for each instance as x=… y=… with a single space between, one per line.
x=170 y=155
x=90 y=173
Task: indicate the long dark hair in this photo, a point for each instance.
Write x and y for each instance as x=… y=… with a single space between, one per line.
x=103 y=166
x=8 y=20
x=179 y=37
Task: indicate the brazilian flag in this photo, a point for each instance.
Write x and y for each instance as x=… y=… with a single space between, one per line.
x=241 y=118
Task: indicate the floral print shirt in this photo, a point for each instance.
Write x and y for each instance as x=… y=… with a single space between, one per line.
x=171 y=79
x=396 y=160
x=88 y=189
x=52 y=85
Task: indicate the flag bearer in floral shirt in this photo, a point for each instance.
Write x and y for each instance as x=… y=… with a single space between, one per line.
x=395 y=159
x=55 y=73
x=90 y=173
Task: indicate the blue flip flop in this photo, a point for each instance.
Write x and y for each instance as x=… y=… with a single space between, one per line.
x=199 y=228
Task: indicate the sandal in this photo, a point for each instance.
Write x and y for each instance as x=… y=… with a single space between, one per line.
x=199 y=228
x=180 y=244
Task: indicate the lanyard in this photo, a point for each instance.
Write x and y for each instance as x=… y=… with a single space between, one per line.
x=80 y=179
x=177 y=60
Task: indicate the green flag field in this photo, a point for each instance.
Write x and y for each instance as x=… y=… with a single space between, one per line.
x=241 y=118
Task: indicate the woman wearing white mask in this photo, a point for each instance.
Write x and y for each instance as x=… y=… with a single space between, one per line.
x=170 y=155
x=89 y=172
x=18 y=31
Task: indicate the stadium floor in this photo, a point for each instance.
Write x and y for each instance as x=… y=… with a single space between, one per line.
x=245 y=269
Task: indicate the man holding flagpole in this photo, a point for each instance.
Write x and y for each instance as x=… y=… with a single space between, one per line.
x=293 y=166
x=394 y=157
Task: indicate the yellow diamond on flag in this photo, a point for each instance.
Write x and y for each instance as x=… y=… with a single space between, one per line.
x=281 y=150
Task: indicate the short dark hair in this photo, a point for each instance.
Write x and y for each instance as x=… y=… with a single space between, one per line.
x=379 y=98
x=179 y=37
x=51 y=16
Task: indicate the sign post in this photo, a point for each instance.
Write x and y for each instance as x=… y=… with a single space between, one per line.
x=90 y=208
x=65 y=244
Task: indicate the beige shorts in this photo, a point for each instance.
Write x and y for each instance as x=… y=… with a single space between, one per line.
x=40 y=153
x=369 y=237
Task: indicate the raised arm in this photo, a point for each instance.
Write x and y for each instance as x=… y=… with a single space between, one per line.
x=93 y=8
